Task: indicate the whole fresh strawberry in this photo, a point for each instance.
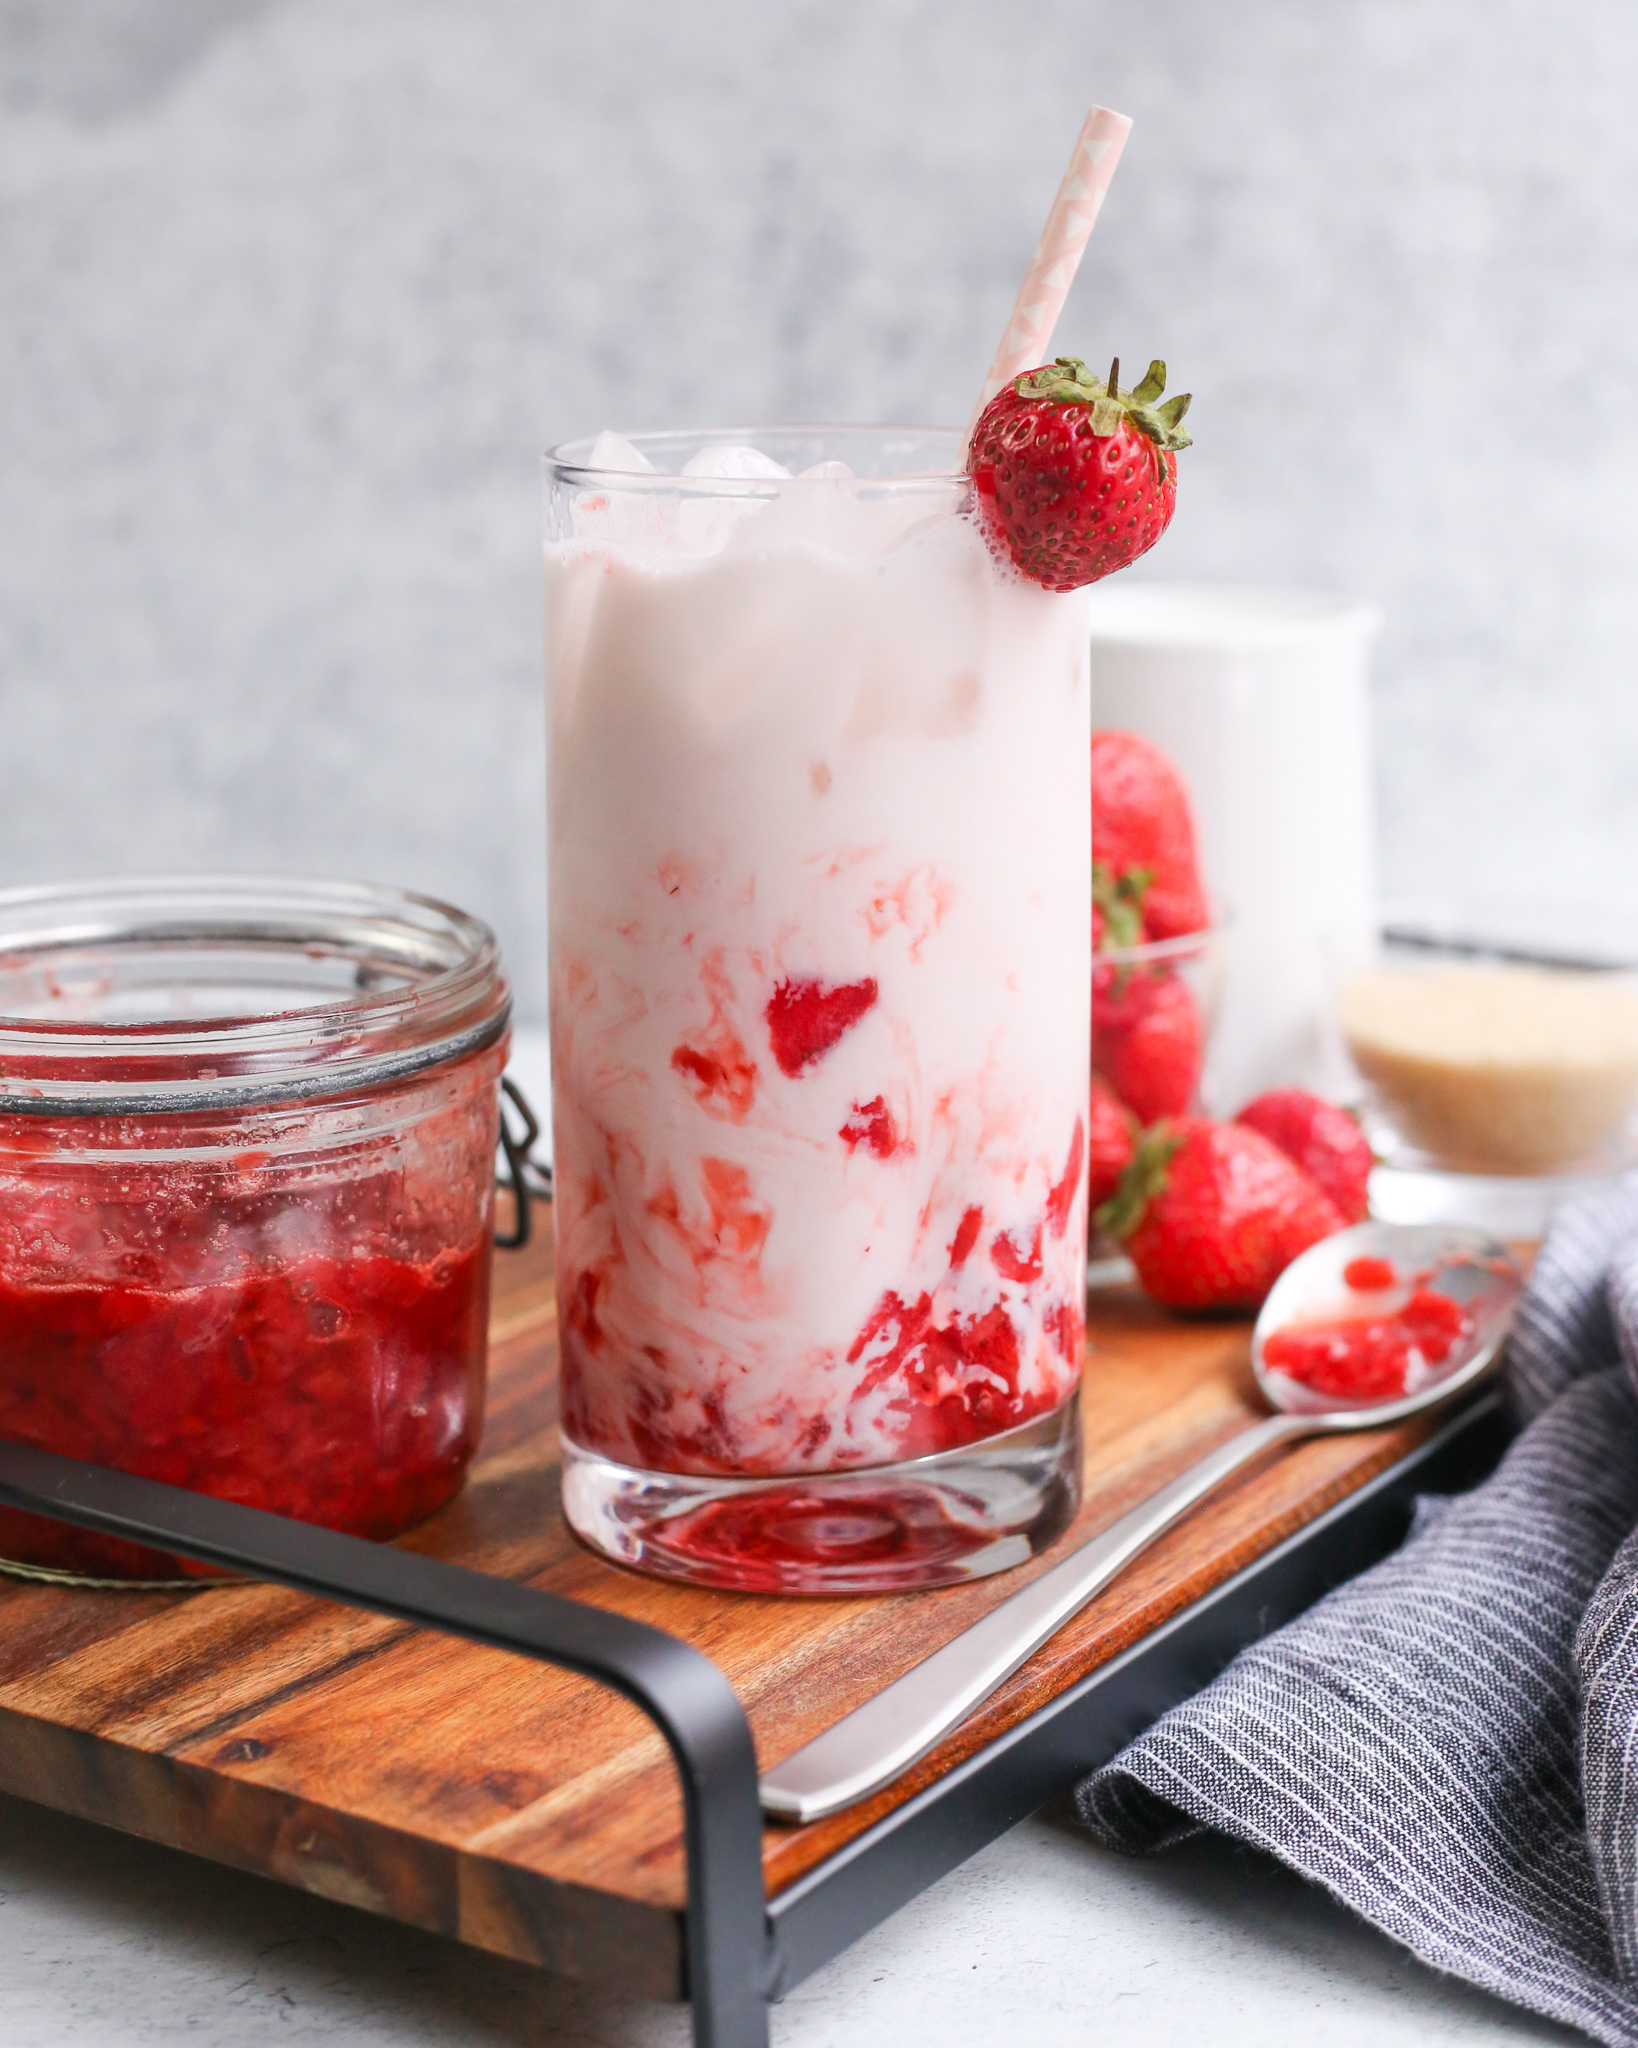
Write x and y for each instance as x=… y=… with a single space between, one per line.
x=1143 y=842
x=1074 y=476
x=1111 y=1139
x=1323 y=1140
x=1148 y=1041
x=1212 y=1214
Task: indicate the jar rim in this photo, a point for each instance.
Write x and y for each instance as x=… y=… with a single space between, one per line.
x=383 y=983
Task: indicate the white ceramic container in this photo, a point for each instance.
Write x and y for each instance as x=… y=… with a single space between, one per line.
x=1261 y=698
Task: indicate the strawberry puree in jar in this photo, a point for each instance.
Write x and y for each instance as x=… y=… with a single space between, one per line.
x=820 y=963
x=247 y=1136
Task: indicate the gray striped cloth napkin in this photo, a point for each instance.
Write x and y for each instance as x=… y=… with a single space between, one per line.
x=1449 y=1743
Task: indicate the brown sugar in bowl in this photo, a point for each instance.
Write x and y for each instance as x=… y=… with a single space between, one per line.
x=1496 y=1068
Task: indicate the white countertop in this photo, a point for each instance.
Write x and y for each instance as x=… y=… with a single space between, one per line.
x=109 y=1942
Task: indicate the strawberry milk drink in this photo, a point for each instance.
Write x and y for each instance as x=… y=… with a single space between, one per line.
x=820 y=983
x=821 y=963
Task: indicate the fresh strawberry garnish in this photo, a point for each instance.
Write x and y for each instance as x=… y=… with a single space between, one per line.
x=1111 y=1139
x=806 y=1017
x=1323 y=1140
x=1143 y=847
x=1148 y=1041
x=1212 y=1214
x=1074 y=476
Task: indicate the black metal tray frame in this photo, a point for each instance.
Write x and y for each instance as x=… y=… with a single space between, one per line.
x=742 y=1950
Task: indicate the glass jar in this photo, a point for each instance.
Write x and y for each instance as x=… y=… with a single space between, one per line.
x=818 y=814
x=247 y=1140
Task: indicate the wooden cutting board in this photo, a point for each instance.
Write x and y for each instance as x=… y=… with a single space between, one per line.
x=533 y=1813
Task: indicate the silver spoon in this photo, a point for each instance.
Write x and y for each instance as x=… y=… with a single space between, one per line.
x=878 y=1741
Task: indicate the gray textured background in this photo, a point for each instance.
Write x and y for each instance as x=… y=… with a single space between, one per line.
x=292 y=293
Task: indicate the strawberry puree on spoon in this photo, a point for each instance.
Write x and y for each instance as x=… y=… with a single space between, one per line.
x=1378 y=1354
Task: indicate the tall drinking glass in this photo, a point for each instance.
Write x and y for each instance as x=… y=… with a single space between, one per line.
x=820 y=973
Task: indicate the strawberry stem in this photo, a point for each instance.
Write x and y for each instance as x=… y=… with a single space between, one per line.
x=1120 y=898
x=1144 y=1178
x=1068 y=382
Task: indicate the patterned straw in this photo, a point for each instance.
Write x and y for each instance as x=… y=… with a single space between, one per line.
x=1058 y=252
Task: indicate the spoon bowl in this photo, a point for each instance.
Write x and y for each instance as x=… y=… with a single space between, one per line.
x=1469 y=1267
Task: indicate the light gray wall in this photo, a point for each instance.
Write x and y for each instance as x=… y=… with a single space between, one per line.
x=292 y=293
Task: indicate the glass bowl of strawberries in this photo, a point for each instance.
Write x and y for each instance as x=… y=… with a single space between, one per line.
x=1204 y=1214
x=1153 y=1008
x=1159 y=952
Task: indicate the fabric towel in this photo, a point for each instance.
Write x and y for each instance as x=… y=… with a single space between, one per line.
x=1449 y=1743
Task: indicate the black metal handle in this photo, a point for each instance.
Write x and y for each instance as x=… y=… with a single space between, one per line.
x=526 y=1175
x=689 y=1700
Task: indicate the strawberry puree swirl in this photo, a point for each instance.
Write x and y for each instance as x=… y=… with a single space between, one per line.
x=820 y=969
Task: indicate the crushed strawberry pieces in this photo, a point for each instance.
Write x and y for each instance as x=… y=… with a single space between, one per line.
x=755 y=1542
x=342 y=1391
x=871 y=1125
x=1371 y=1357
x=806 y=1017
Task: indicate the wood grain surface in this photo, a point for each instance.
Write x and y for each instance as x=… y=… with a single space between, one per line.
x=530 y=1812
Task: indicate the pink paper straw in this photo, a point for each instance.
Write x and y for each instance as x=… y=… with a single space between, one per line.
x=1058 y=253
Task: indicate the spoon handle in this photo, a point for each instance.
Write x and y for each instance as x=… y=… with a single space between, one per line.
x=876 y=1742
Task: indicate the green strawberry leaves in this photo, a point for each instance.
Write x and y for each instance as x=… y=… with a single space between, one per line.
x=1153 y=384
x=1120 y=898
x=1067 y=381
x=1143 y=1179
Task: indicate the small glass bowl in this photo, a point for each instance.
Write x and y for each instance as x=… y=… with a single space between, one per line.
x=1154 y=1009
x=1154 y=1013
x=247 y=1141
x=1497 y=1071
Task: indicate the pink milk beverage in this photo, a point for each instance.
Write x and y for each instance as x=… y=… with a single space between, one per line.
x=820 y=974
